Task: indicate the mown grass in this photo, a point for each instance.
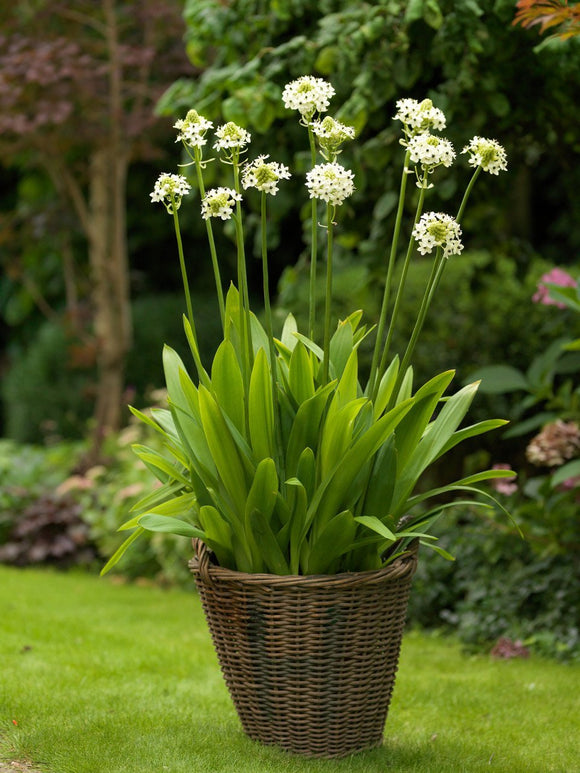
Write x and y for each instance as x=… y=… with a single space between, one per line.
x=101 y=677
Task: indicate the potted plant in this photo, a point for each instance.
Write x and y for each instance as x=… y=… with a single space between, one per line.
x=297 y=482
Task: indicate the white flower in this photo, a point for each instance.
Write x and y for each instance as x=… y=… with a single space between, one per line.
x=219 y=202
x=419 y=116
x=307 y=95
x=488 y=154
x=192 y=129
x=330 y=182
x=169 y=189
x=264 y=175
x=331 y=135
x=435 y=229
x=230 y=135
x=430 y=151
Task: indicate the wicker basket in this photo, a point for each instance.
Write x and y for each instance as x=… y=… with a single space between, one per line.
x=310 y=662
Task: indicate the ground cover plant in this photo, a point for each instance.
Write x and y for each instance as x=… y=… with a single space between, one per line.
x=99 y=677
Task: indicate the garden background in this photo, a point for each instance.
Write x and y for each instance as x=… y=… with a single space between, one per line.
x=89 y=281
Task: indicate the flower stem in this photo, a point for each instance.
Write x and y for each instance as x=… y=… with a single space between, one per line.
x=313 y=246
x=212 y=249
x=436 y=272
x=389 y=278
x=468 y=193
x=328 y=299
x=269 y=331
x=400 y=288
x=245 y=319
x=185 y=282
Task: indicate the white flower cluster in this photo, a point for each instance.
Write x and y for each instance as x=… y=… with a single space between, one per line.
x=308 y=95
x=330 y=182
x=488 y=154
x=430 y=151
x=436 y=229
x=230 y=135
x=264 y=175
x=219 y=202
x=419 y=116
x=331 y=135
x=169 y=189
x=192 y=129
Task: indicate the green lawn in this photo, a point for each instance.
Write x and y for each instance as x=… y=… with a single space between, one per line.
x=105 y=678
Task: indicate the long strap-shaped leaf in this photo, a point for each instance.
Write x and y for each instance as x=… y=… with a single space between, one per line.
x=440 y=430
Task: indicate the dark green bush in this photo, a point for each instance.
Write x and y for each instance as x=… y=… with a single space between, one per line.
x=499 y=585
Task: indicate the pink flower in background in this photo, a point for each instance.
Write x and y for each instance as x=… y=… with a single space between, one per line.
x=556 y=277
x=555 y=444
x=504 y=485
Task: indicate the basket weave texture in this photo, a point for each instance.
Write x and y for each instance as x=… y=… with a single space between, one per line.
x=309 y=662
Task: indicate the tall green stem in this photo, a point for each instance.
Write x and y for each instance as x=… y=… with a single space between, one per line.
x=245 y=319
x=212 y=249
x=400 y=288
x=313 y=246
x=269 y=331
x=185 y=282
x=328 y=299
x=468 y=193
x=389 y=278
x=436 y=272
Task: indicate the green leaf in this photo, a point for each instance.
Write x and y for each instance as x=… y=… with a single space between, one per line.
x=300 y=374
x=386 y=387
x=264 y=489
x=472 y=431
x=333 y=491
x=218 y=535
x=267 y=543
x=167 y=524
x=121 y=550
x=290 y=328
x=227 y=384
x=224 y=450
x=337 y=434
x=341 y=346
x=163 y=468
x=334 y=540
x=497 y=379
x=306 y=427
x=261 y=408
x=381 y=485
x=178 y=505
x=374 y=524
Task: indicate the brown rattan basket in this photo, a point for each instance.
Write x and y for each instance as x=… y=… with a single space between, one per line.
x=309 y=661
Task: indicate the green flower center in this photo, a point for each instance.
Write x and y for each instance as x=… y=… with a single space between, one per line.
x=438 y=231
x=265 y=174
x=218 y=202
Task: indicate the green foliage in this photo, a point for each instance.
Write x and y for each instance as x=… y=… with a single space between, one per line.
x=43 y=394
x=502 y=586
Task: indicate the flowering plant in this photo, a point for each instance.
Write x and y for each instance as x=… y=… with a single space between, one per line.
x=278 y=457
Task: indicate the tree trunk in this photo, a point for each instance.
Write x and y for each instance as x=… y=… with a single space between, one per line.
x=110 y=277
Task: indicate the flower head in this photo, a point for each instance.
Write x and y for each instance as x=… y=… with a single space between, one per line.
x=556 y=277
x=331 y=135
x=169 y=189
x=330 y=182
x=230 y=135
x=419 y=116
x=430 y=151
x=264 y=175
x=435 y=229
x=488 y=154
x=556 y=443
x=219 y=202
x=308 y=95
x=192 y=129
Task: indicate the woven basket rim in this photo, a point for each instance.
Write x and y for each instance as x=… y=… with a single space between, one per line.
x=202 y=565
